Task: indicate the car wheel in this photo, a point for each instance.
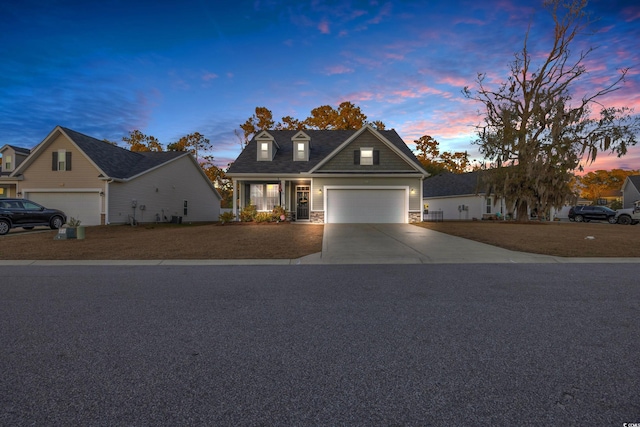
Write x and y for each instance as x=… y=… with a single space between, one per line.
x=579 y=218
x=612 y=220
x=56 y=222
x=624 y=219
x=4 y=226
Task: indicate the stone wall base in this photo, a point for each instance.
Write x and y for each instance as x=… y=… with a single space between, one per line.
x=317 y=217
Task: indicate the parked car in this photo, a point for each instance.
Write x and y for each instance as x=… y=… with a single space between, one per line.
x=630 y=215
x=588 y=213
x=24 y=213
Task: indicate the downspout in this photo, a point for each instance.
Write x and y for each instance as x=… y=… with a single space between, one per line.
x=106 y=201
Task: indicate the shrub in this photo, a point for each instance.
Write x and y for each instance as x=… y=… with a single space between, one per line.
x=248 y=213
x=264 y=217
x=227 y=217
x=278 y=212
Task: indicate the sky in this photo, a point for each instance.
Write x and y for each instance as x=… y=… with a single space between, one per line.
x=168 y=68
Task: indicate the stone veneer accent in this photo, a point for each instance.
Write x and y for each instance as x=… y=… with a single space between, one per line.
x=415 y=217
x=317 y=217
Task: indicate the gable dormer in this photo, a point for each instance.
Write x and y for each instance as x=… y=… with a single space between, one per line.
x=11 y=157
x=301 y=147
x=266 y=146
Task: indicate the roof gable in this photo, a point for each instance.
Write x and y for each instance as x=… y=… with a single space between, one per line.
x=324 y=144
x=110 y=160
x=633 y=180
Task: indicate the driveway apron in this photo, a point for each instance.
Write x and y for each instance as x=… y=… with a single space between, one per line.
x=410 y=244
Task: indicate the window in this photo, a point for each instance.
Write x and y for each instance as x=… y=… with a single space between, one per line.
x=489 y=205
x=185 y=207
x=265 y=196
x=301 y=152
x=264 y=150
x=7 y=163
x=366 y=156
x=61 y=160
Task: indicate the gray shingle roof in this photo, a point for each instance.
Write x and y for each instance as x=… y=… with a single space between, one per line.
x=323 y=142
x=453 y=184
x=117 y=162
x=635 y=180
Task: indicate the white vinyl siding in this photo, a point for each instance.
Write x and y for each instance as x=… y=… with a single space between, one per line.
x=378 y=205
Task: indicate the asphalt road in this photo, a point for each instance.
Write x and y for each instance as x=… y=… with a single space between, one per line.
x=508 y=344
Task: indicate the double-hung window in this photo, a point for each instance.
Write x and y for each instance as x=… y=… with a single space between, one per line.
x=265 y=196
x=366 y=156
x=61 y=160
x=7 y=163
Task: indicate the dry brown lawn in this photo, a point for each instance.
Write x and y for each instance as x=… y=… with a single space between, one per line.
x=294 y=240
x=168 y=241
x=565 y=239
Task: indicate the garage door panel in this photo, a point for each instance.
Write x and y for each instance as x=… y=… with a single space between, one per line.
x=366 y=206
x=84 y=206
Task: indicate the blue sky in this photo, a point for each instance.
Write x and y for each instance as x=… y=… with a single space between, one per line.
x=170 y=68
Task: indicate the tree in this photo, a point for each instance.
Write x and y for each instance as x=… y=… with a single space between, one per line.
x=536 y=131
x=594 y=185
x=435 y=162
x=325 y=117
x=195 y=143
x=219 y=179
x=261 y=120
x=138 y=141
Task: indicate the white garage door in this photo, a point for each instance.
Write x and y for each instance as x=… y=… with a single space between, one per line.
x=82 y=206
x=366 y=206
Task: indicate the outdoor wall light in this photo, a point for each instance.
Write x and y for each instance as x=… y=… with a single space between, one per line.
x=19 y=193
x=320 y=190
x=101 y=193
x=413 y=191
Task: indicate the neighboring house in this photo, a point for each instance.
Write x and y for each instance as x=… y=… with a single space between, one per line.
x=460 y=197
x=11 y=157
x=330 y=176
x=100 y=183
x=630 y=191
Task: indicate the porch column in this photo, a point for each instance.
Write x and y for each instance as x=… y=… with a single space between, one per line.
x=235 y=200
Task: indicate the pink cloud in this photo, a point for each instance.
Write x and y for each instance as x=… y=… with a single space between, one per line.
x=324 y=27
x=631 y=13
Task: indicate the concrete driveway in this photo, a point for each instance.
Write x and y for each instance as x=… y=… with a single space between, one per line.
x=409 y=244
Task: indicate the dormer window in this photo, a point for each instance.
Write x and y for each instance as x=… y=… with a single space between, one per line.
x=7 y=163
x=264 y=151
x=266 y=146
x=301 y=145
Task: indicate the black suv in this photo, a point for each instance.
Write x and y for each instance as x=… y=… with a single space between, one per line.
x=587 y=213
x=27 y=214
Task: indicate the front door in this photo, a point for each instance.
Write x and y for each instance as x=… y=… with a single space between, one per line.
x=302 y=202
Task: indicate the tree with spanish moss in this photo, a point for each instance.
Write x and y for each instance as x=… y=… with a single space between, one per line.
x=538 y=127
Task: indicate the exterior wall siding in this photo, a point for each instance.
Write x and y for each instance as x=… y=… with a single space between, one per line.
x=163 y=192
x=317 y=197
x=82 y=174
x=449 y=207
x=389 y=160
x=630 y=195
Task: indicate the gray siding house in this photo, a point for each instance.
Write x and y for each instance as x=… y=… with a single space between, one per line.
x=330 y=176
x=461 y=197
x=100 y=183
x=630 y=191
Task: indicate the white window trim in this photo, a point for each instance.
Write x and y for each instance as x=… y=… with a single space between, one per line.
x=62 y=160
